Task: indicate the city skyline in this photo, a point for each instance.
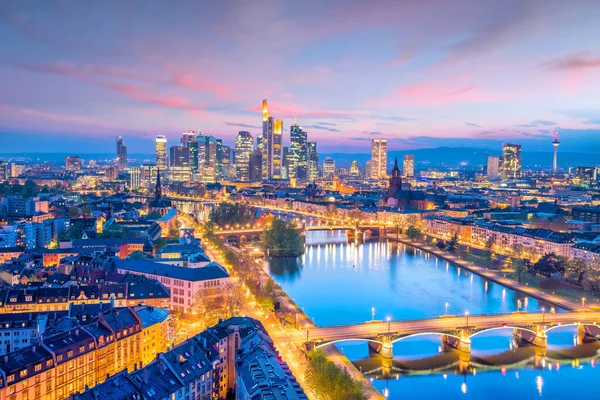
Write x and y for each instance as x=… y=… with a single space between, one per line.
x=507 y=72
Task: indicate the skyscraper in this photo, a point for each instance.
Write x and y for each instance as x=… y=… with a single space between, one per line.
x=161 y=153
x=409 y=165
x=511 y=161
x=121 y=154
x=135 y=177
x=187 y=137
x=207 y=158
x=354 y=170
x=223 y=160
x=271 y=145
x=255 y=166
x=313 y=161
x=493 y=168
x=192 y=145
x=179 y=166
x=555 y=144
x=244 y=145
x=297 y=167
x=328 y=168
x=379 y=158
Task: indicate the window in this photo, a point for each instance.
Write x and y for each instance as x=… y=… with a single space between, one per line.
x=59 y=357
x=10 y=378
x=23 y=373
x=70 y=353
x=38 y=367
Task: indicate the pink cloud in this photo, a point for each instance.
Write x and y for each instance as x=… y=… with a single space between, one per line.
x=574 y=62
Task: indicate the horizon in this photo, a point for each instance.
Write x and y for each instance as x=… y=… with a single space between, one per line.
x=480 y=73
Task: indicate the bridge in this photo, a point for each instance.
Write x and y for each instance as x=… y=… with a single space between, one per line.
x=529 y=330
x=249 y=234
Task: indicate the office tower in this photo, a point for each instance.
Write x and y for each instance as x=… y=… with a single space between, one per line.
x=121 y=154
x=328 y=168
x=223 y=160
x=493 y=168
x=271 y=145
x=179 y=164
x=255 y=166
x=148 y=175
x=285 y=162
x=135 y=177
x=207 y=158
x=368 y=169
x=72 y=163
x=244 y=145
x=187 y=137
x=161 y=153
x=297 y=167
x=555 y=144
x=313 y=161
x=192 y=145
x=409 y=165
x=3 y=170
x=379 y=158
x=354 y=170
x=112 y=173
x=260 y=140
x=511 y=161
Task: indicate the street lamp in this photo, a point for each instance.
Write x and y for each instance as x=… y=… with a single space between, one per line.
x=543 y=315
x=447 y=308
x=388 y=321
x=583 y=302
x=372 y=313
x=467 y=315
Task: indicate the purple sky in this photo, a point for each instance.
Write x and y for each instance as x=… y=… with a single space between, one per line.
x=421 y=73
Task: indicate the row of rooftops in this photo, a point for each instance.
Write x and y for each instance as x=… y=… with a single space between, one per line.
x=257 y=364
x=109 y=326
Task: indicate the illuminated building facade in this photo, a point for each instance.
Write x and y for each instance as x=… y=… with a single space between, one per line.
x=328 y=168
x=72 y=163
x=313 y=161
x=354 y=169
x=298 y=158
x=244 y=145
x=378 y=158
x=408 y=165
x=121 y=154
x=179 y=168
x=511 y=162
x=493 y=168
x=161 y=152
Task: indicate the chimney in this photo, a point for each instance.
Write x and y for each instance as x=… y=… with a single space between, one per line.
x=6 y=358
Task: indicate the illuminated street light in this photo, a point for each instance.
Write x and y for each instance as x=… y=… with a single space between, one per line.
x=372 y=313
x=583 y=302
x=388 y=321
x=467 y=315
x=447 y=304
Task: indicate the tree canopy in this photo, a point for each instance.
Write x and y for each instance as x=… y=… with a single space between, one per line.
x=549 y=264
x=230 y=214
x=329 y=381
x=283 y=239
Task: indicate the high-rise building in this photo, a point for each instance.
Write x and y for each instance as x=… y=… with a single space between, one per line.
x=72 y=163
x=297 y=167
x=555 y=144
x=148 y=175
x=192 y=145
x=244 y=145
x=409 y=165
x=135 y=177
x=271 y=145
x=328 y=168
x=584 y=176
x=368 y=169
x=179 y=164
x=3 y=170
x=354 y=170
x=379 y=158
x=207 y=158
x=161 y=153
x=223 y=160
x=255 y=166
x=313 y=161
x=493 y=168
x=511 y=162
x=187 y=137
x=121 y=154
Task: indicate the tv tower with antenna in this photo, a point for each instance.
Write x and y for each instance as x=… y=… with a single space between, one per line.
x=555 y=144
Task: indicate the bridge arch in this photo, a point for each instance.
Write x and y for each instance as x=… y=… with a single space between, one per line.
x=323 y=344
x=424 y=334
x=575 y=324
x=500 y=327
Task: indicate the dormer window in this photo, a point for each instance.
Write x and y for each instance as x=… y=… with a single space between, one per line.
x=28 y=298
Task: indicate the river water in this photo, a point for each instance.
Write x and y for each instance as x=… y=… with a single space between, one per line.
x=343 y=283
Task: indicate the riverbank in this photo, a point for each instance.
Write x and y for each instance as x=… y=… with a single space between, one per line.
x=492 y=275
x=338 y=358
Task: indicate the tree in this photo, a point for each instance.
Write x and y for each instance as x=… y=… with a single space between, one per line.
x=452 y=243
x=174 y=231
x=519 y=268
x=75 y=231
x=549 y=264
x=591 y=279
x=576 y=270
x=329 y=381
x=218 y=303
x=282 y=239
x=489 y=250
x=154 y=215
x=413 y=233
x=230 y=214
x=440 y=244
x=73 y=212
x=86 y=210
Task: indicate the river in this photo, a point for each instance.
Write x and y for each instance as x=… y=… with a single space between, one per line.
x=346 y=283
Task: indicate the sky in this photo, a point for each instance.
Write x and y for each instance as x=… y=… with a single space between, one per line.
x=427 y=73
